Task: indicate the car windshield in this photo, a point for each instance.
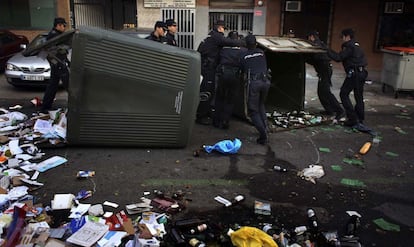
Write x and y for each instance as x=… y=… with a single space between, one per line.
x=40 y=39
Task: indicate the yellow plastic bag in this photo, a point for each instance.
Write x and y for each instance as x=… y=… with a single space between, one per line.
x=248 y=236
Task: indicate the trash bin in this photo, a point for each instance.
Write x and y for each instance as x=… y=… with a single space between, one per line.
x=398 y=69
x=286 y=59
x=127 y=91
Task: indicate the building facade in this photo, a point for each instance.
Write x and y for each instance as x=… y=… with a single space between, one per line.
x=377 y=23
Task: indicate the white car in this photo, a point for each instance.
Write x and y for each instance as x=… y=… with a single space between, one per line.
x=31 y=71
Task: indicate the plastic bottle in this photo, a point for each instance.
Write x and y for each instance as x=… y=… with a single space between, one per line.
x=353 y=225
x=271 y=230
x=196 y=243
x=279 y=169
x=189 y=222
x=199 y=228
x=177 y=237
x=312 y=221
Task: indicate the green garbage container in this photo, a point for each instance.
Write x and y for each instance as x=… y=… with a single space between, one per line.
x=127 y=91
x=286 y=59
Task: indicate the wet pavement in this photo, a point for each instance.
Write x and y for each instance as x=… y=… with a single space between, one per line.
x=385 y=174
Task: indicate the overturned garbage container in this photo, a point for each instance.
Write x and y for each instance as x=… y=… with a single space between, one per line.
x=127 y=91
x=286 y=59
x=398 y=69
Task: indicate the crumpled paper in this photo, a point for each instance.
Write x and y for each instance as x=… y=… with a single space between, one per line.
x=312 y=173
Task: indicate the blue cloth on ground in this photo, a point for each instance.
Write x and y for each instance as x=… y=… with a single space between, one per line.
x=225 y=146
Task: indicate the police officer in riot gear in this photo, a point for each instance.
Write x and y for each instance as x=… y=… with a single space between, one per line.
x=209 y=50
x=228 y=82
x=158 y=35
x=323 y=67
x=172 y=30
x=254 y=66
x=354 y=62
x=59 y=65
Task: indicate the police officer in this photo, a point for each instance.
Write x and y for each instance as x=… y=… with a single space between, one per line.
x=209 y=50
x=354 y=62
x=254 y=66
x=172 y=30
x=323 y=67
x=158 y=35
x=228 y=82
x=59 y=64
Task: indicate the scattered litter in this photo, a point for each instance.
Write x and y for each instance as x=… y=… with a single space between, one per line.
x=50 y=163
x=324 y=150
x=402 y=116
x=385 y=225
x=336 y=168
x=143 y=206
x=83 y=194
x=352 y=182
x=225 y=146
x=85 y=174
x=36 y=101
x=89 y=234
x=365 y=148
x=399 y=130
x=223 y=201
x=111 y=204
x=251 y=236
x=62 y=201
x=15 y=107
x=391 y=154
x=262 y=208
x=312 y=173
x=352 y=161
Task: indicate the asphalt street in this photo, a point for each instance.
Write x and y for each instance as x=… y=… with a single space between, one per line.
x=382 y=188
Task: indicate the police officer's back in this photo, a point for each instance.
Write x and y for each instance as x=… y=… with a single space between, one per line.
x=254 y=65
x=209 y=50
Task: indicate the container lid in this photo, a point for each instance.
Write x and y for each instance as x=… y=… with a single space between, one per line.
x=400 y=49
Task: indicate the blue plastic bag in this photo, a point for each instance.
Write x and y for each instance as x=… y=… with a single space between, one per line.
x=225 y=146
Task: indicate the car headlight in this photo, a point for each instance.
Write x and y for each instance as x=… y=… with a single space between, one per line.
x=11 y=67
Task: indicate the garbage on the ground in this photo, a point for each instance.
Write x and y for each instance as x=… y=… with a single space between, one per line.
x=399 y=130
x=352 y=182
x=225 y=146
x=228 y=203
x=336 y=168
x=295 y=119
x=324 y=150
x=261 y=207
x=85 y=174
x=248 y=236
x=385 y=225
x=68 y=220
x=353 y=161
x=365 y=148
x=312 y=173
x=391 y=154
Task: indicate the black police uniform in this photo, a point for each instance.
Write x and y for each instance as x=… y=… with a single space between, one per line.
x=323 y=67
x=59 y=65
x=171 y=39
x=209 y=49
x=153 y=37
x=228 y=84
x=354 y=62
x=253 y=64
